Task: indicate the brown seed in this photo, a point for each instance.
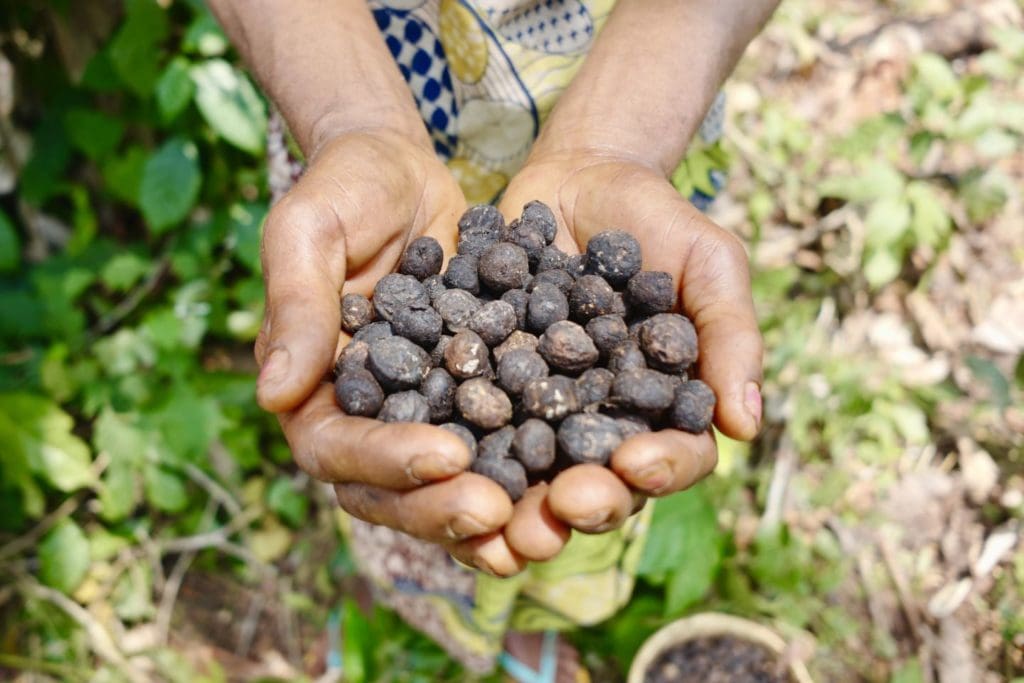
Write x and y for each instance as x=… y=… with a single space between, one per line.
x=494 y=321
x=651 y=292
x=352 y=357
x=456 y=307
x=566 y=346
x=550 y=398
x=590 y=297
x=594 y=385
x=504 y=266
x=669 y=342
x=483 y=404
x=517 y=340
x=614 y=255
x=497 y=444
x=356 y=312
x=607 y=331
x=466 y=356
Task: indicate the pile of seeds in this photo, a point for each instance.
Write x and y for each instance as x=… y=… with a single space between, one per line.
x=538 y=360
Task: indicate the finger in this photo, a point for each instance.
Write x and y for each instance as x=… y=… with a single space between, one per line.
x=490 y=554
x=534 y=532
x=462 y=507
x=711 y=269
x=303 y=266
x=337 y=448
x=590 y=498
x=659 y=463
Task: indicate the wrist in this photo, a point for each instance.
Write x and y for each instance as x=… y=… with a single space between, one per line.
x=390 y=122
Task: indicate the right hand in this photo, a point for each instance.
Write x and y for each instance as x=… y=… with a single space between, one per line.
x=343 y=226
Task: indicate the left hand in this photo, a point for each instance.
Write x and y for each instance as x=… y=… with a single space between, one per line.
x=590 y=193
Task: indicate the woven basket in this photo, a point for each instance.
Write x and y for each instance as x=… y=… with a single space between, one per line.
x=706 y=625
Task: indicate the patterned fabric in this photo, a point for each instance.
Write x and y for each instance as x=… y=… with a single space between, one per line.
x=485 y=75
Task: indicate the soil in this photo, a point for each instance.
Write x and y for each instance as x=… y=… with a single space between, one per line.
x=719 y=659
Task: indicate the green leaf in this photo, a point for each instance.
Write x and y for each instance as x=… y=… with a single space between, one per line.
x=43 y=173
x=876 y=179
x=135 y=50
x=93 y=132
x=684 y=542
x=357 y=642
x=132 y=594
x=64 y=557
x=122 y=174
x=230 y=104
x=930 y=223
x=908 y=672
x=123 y=270
x=189 y=424
x=882 y=267
x=937 y=76
x=887 y=221
x=246 y=231
x=204 y=36
x=120 y=493
x=36 y=432
x=164 y=490
x=170 y=184
x=10 y=245
x=175 y=89
x=287 y=503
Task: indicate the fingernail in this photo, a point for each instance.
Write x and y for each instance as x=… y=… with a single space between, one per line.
x=465 y=525
x=276 y=367
x=752 y=402
x=484 y=566
x=431 y=466
x=595 y=522
x=654 y=477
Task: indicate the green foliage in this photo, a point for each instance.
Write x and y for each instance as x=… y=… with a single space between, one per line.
x=64 y=557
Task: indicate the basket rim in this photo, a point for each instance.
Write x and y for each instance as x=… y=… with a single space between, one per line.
x=711 y=624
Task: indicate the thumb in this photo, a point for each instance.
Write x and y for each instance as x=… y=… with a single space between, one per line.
x=303 y=267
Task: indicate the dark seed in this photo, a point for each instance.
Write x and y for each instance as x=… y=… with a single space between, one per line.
x=693 y=407
x=518 y=367
x=577 y=265
x=517 y=340
x=439 y=389
x=547 y=306
x=594 y=385
x=590 y=297
x=607 y=331
x=456 y=307
x=504 y=266
x=374 y=332
x=397 y=363
x=423 y=258
x=552 y=258
x=395 y=292
x=419 y=324
x=352 y=357
x=497 y=444
x=520 y=300
x=434 y=286
x=437 y=353
x=614 y=255
x=463 y=433
x=539 y=216
x=651 y=292
x=506 y=472
x=626 y=356
x=534 y=445
x=529 y=240
x=482 y=220
x=358 y=393
x=550 y=398
x=405 y=406
x=558 y=278
x=589 y=438
x=494 y=321
x=645 y=391
x=462 y=273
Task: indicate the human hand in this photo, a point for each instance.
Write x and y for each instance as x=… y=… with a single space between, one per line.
x=593 y=192
x=342 y=227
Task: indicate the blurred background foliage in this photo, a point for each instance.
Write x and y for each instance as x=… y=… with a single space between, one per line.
x=153 y=527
